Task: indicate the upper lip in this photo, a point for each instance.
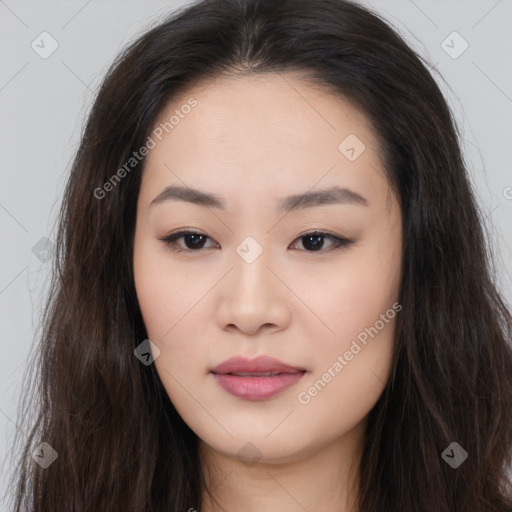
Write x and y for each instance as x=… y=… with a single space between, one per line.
x=260 y=364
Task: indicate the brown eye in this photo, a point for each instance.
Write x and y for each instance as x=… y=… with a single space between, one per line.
x=193 y=241
x=314 y=242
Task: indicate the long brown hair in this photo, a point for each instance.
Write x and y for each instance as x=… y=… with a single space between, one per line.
x=121 y=444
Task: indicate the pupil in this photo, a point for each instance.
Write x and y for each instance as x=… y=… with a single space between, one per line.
x=194 y=240
x=315 y=245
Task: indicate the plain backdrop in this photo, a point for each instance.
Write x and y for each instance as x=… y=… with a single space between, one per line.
x=44 y=101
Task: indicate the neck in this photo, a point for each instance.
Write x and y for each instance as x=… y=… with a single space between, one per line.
x=324 y=480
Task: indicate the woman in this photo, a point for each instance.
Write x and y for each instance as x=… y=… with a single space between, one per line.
x=271 y=286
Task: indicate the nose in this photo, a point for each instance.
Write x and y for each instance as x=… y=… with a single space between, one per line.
x=254 y=298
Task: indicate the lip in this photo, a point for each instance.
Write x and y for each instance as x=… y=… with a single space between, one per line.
x=257 y=386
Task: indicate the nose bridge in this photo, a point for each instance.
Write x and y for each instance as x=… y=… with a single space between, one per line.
x=251 y=261
x=253 y=295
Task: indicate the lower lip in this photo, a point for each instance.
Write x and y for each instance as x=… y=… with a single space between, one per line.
x=257 y=388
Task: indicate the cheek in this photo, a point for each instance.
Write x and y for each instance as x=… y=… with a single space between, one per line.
x=171 y=323
x=363 y=286
x=166 y=292
x=171 y=300
x=358 y=307
x=352 y=366
x=154 y=295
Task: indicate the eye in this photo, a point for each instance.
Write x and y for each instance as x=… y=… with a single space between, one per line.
x=315 y=241
x=195 y=241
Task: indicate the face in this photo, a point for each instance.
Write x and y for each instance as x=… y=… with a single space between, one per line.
x=311 y=283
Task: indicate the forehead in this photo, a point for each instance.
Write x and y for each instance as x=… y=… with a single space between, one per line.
x=272 y=134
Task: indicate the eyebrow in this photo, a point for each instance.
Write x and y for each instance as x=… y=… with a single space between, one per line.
x=333 y=195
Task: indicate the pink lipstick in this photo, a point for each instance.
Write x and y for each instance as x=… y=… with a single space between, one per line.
x=256 y=379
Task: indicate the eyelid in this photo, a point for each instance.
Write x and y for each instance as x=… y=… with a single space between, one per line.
x=338 y=241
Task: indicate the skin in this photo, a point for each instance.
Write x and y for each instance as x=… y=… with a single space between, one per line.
x=252 y=141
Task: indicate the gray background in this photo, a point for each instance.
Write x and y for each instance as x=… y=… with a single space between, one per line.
x=43 y=103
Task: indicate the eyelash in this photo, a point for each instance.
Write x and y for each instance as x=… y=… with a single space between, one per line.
x=340 y=243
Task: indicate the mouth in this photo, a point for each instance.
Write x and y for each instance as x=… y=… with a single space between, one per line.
x=253 y=374
x=258 y=379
